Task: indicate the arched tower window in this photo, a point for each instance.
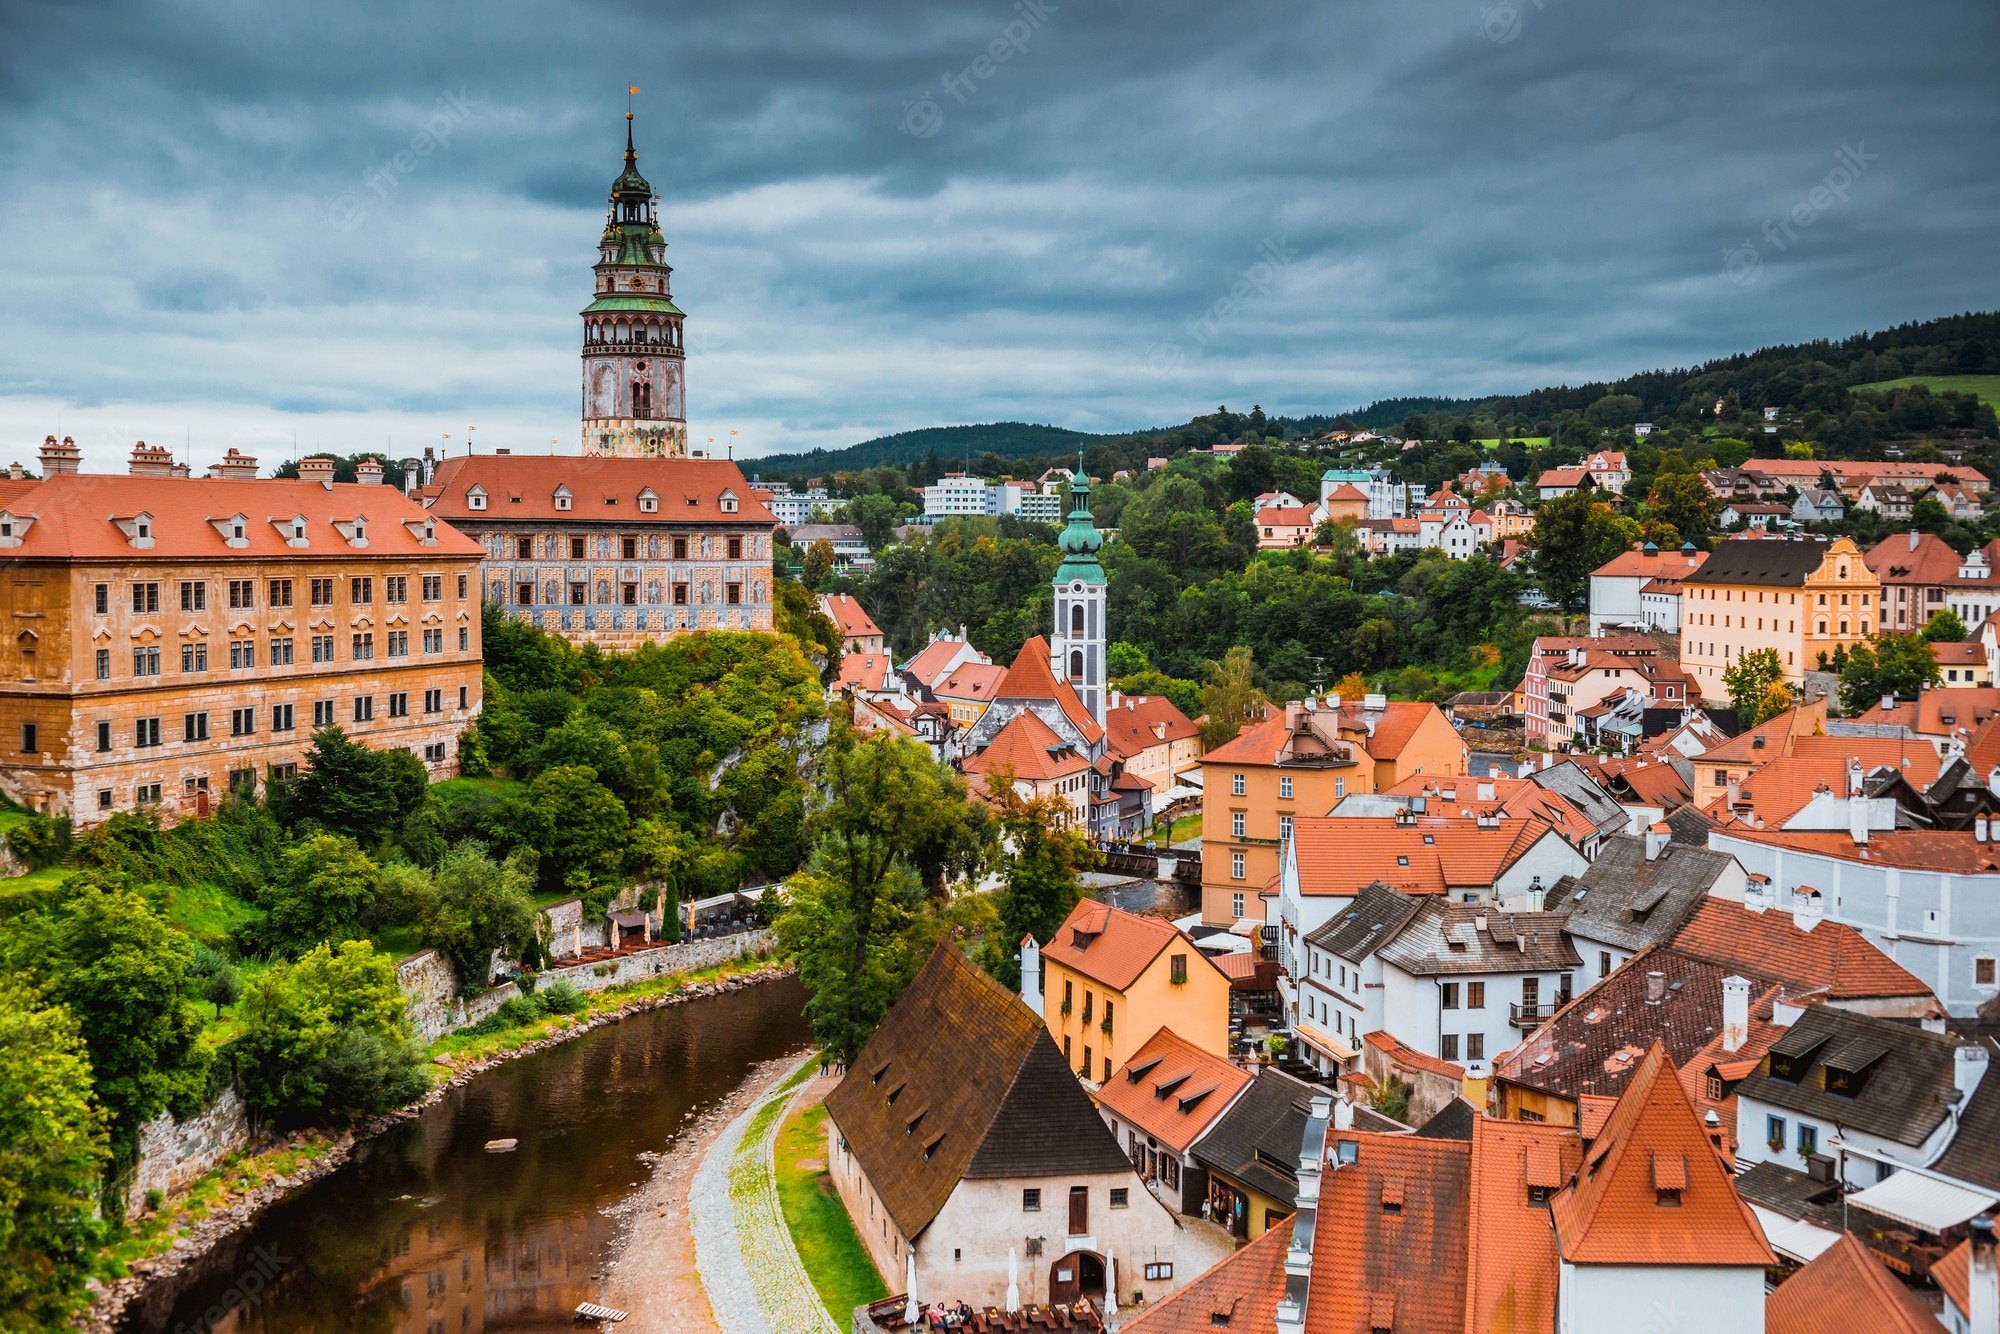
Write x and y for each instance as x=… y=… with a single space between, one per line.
x=1076 y=664
x=642 y=399
x=1076 y=618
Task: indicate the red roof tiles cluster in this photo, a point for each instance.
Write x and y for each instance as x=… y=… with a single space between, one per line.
x=1026 y=747
x=600 y=490
x=1832 y=957
x=1172 y=1089
x=1339 y=855
x=1113 y=946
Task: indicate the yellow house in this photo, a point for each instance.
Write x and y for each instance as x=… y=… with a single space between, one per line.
x=1111 y=979
x=1303 y=760
x=1799 y=597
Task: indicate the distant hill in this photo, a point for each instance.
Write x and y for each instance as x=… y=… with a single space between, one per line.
x=1010 y=440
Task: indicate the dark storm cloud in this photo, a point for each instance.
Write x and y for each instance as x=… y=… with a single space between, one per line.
x=365 y=221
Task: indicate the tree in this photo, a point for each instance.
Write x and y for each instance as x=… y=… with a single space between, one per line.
x=478 y=906
x=324 y=1038
x=1777 y=697
x=875 y=516
x=585 y=824
x=1615 y=410
x=1574 y=535
x=1944 y=627
x=53 y=1147
x=854 y=951
x=102 y=953
x=1122 y=659
x=328 y=886
x=346 y=787
x=1929 y=515
x=1351 y=686
x=222 y=987
x=818 y=564
x=1045 y=852
x=1230 y=698
x=1749 y=679
x=1682 y=500
x=1898 y=665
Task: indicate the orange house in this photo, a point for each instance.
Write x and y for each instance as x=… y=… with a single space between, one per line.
x=1111 y=979
x=1302 y=760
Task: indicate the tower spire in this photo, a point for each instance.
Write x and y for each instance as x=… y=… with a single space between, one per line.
x=631 y=153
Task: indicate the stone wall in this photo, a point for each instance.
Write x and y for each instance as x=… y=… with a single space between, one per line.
x=173 y=1153
x=689 y=956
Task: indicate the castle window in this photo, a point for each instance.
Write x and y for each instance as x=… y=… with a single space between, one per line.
x=1076 y=619
x=1076 y=664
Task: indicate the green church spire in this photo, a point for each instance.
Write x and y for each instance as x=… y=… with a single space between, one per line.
x=1080 y=541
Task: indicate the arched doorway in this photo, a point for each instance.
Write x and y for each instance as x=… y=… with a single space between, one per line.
x=1078 y=1274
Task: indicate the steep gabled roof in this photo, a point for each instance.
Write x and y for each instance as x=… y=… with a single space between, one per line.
x=1624 y=900
x=1832 y=957
x=1029 y=748
x=1379 y=912
x=1261 y=1131
x=1905 y=1074
x=1513 y=1280
x=1129 y=727
x=1172 y=1089
x=849 y=616
x=961 y=1080
x=1112 y=946
x=1444 y=939
x=1030 y=678
x=1238 y=1293
x=1652 y=1190
x=1847 y=1288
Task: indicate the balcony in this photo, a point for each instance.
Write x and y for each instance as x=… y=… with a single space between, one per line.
x=1532 y=1016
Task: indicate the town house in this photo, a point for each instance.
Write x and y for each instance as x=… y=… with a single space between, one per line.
x=1799 y=597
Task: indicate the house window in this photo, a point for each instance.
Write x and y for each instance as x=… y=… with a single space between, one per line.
x=361 y=591
x=1284 y=826
x=1712 y=1087
x=396 y=588
x=1603 y=963
x=104 y=736
x=1448 y=1046
x=399 y=704
x=1475 y=1046
x=1475 y=995
x=1982 y=972
x=281 y=653
x=1774 y=1132
x=364 y=708
x=194 y=657
x=28 y=739
x=322 y=713
x=524 y=594
x=576 y=548
x=577 y=593
x=1339 y=787
x=1285 y=788
x=104 y=599
x=628 y=548
x=680 y=548
x=363 y=647
x=1236 y=867
x=321 y=592
x=281 y=717
x=1236 y=909
x=242 y=722
x=1031 y=1200
x=194 y=596
x=145 y=598
x=242 y=594
x=736 y=548
x=1808 y=1140
x=146 y=732
x=1120 y=1197
x=1448 y=995
x=1177 y=969
x=1236 y=824
x=1236 y=784
x=145 y=662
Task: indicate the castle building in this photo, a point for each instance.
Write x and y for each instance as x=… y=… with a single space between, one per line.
x=1076 y=649
x=639 y=539
x=168 y=638
x=634 y=365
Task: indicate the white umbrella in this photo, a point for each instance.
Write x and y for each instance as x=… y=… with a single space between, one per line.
x=912 y=1313
x=1013 y=1284
x=1110 y=1283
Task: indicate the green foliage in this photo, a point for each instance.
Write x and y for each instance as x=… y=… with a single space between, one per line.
x=1574 y=534
x=1682 y=500
x=1122 y=659
x=1749 y=680
x=349 y=789
x=1230 y=698
x=875 y=516
x=323 y=1039
x=101 y=951
x=1185 y=695
x=1045 y=853
x=584 y=828
x=325 y=890
x=1945 y=627
x=40 y=841
x=520 y=1011
x=477 y=906
x=1929 y=515
x=1898 y=665
x=53 y=1149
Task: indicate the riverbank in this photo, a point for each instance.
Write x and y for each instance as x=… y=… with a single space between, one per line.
x=248 y=1189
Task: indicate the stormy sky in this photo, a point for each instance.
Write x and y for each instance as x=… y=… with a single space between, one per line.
x=364 y=225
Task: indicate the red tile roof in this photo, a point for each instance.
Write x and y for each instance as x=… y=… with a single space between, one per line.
x=1785 y=783
x=1669 y=564
x=1240 y=1292
x=75 y=514
x=1831 y=956
x=1614 y=1213
x=1028 y=747
x=849 y=616
x=1959 y=853
x=1030 y=677
x=1953 y=1275
x=1562 y=477
x=1966 y=706
x=1285 y=516
x=1847 y=1288
x=1172 y=1089
x=1129 y=727
x=1340 y=855
x=1395 y=724
x=1389 y=1247
x=1347 y=493
x=865 y=671
x=1114 y=947
x=1513 y=1251
x=523 y=487
x=930 y=660
x=1408 y=1057
x=975 y=681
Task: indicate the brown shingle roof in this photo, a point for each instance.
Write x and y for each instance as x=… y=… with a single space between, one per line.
x=960 y=1080
x=1845 y=1289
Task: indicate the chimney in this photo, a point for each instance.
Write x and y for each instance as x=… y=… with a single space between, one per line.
x=369 y=471
x=1290 y=1317
x=1968 y=1067
x=1913 y=541
x=1656 y=987
x=1735 y=792
x=1031 y=973
x=1658 y=834
x=1853 y=777
x=150 y=461
x=1493 y=771
x=235 y=466
x=1857 y=820
x=15 y=472
x=1807 y=906
x=1983 y=1289
x=1735 y=1012
x=317 y=470
x=411 y=476
x=60 y=458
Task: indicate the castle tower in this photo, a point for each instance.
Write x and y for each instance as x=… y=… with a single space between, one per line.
x=633 y=364
x=1076 y=649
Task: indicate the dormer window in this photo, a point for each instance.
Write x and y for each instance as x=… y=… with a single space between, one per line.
x=138 y=529
x=475 y=498
x=562 y=498
x=729 y=502
x=355 y=530
x=14 y=527
x=298 y=530
x=649 y=501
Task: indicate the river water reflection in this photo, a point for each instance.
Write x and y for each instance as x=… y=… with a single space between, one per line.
x=424 y=1232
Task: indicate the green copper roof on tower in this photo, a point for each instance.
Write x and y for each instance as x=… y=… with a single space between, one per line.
x=1080 y=541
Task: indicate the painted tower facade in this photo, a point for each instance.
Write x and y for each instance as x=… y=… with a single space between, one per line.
x=1076 y=649
x=634 y=367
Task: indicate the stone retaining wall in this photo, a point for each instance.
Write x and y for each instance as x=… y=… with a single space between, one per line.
x=689 y=956
x=173 y=1153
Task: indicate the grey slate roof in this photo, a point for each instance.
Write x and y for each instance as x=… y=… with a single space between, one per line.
x=1906 y=1087
x=1568 y=781
x=1780 y=562
x=1265 y=1125
x=1444 y=939
x=1690 y=827
x=1452 y=1121
x=1974 y=1154
x=1370 y=922
x=1624 y=900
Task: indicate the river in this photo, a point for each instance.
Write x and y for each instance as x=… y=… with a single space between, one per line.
x=424 y=1232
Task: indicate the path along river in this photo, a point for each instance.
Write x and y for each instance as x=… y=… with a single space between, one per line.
x=424 y=1232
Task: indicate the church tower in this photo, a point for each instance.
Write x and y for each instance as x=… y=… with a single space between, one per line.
x=633 y=364
x=1076 y=649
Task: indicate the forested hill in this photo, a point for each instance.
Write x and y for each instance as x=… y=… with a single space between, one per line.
x=1812 y=376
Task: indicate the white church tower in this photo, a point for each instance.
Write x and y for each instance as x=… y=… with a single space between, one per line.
x=1076 y=649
